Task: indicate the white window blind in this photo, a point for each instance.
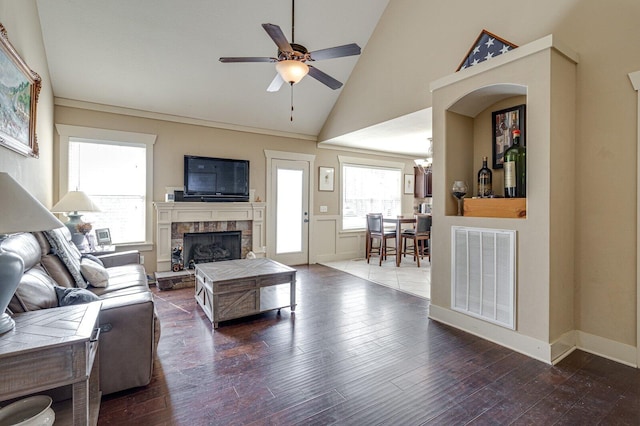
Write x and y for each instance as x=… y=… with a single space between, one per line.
x=369 y=189
x=113 y=175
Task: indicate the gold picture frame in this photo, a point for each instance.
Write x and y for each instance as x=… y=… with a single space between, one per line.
x=18 y=100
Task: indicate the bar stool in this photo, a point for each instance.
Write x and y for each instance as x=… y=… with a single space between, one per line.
x=420 y=234
x=376 y=231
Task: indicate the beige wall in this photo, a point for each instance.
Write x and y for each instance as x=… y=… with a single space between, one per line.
x=177 y=139
x=20 y=19
x=432 y=37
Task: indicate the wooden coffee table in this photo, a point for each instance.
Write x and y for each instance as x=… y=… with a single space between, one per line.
x=238 y=288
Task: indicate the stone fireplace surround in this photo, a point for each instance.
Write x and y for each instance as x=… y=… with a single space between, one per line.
x=173 y=218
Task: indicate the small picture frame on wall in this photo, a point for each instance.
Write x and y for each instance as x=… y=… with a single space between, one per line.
x=408 y=184
x=103 y=237
x=504 y=122
x=326 y=178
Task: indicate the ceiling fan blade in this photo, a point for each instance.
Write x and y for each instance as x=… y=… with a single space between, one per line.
x=278 y=37
x=323 y=78
x=249 y=59
x=336 y=52
x=276 y=84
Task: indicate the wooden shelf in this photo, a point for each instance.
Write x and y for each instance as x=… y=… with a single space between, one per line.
x=495 y=207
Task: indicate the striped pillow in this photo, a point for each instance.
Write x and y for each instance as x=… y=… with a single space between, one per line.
x=68 y=253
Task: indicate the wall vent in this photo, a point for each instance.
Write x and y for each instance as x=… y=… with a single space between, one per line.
x=483 y=282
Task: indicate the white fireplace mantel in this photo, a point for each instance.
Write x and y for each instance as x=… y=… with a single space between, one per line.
x=169 y=212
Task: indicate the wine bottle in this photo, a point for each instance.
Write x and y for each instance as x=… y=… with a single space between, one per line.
x=515 y=169
x=485 y=177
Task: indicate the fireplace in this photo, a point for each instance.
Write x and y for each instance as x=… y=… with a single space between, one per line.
x=174 y=219
x=203 y=247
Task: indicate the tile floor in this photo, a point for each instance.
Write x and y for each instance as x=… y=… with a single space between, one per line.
x=407 y=278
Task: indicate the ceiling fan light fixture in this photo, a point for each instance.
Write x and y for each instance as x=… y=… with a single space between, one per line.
x=292 y=71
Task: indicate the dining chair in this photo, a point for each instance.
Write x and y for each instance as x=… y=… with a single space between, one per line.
x=420 y=236
x=376 y=231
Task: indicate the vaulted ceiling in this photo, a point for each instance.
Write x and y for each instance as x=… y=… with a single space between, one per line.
x=161 y=56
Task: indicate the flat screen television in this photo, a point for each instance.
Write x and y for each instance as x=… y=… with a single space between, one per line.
x=215 y=179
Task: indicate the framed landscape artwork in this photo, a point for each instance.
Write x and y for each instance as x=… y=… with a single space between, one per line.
x=504 y=122
x=19 y=90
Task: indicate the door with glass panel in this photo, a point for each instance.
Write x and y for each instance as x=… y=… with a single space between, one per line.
x=290 y=182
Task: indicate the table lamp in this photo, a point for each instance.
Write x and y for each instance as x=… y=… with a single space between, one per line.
x=20 y=212
x=72 y=203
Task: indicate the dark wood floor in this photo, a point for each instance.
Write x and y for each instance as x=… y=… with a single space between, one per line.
x=357 y=353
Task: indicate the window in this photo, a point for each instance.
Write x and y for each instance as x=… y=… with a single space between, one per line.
x=369 y=187
x=114 y=169
x=114 y=177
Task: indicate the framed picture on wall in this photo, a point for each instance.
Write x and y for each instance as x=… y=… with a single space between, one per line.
x=408 y=184
x=504 y=122
x=326 y=178
x=18 y=99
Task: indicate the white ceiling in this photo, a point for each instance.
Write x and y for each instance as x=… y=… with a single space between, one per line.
x=161 y=56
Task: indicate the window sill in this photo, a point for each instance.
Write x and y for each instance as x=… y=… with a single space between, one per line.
x=142 y=246
x=352 y=231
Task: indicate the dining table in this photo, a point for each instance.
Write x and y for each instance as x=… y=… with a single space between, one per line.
x=399 y=221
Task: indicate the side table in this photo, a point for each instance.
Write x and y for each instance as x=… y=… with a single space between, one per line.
x=50 y=348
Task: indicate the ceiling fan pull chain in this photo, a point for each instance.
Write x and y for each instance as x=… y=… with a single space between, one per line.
x=291 y=101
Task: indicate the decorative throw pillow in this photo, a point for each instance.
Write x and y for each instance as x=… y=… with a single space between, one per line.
x=68 y=253
x=74 y=296
x=94 y=273
x=92 y=257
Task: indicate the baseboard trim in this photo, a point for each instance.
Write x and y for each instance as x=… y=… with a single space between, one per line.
x=526 y=345
x=606 y=348
x=548 y=353
x=563 y=346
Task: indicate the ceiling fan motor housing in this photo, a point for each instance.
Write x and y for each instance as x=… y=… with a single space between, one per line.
x=300 y=53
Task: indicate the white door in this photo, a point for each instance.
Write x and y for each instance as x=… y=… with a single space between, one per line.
x=290 y=186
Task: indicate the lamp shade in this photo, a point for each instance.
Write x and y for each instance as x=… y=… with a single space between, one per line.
x=21 y=211
x=292 y=71
x=75 y=201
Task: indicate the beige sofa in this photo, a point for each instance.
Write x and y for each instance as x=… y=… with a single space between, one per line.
x=129 y=327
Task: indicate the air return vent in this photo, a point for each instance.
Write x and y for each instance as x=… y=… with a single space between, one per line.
x=483 y=274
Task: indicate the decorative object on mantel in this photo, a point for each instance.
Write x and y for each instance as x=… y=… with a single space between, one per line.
x=486 y=46
x=21 y=87
x=22 y=213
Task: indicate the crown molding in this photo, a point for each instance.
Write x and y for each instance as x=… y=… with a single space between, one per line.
x=71 y=103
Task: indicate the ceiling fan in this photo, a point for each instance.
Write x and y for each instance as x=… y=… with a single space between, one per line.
x=291 y=60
